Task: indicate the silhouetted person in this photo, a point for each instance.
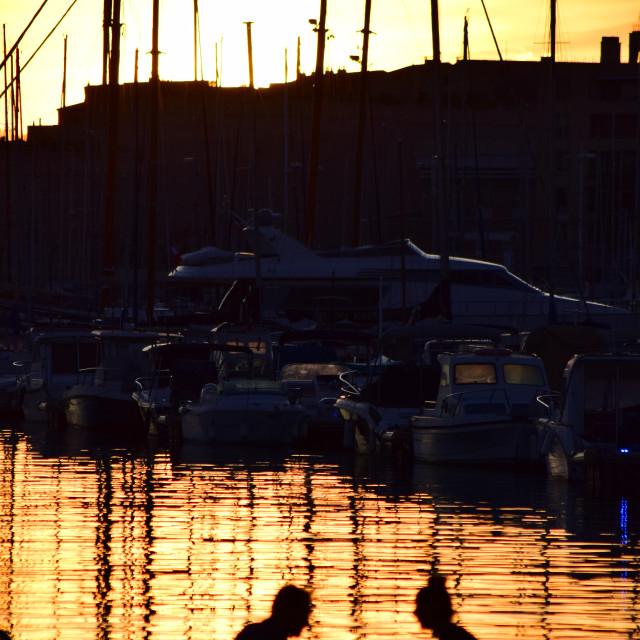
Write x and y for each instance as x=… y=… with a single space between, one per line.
x=289 y=616
x=4 y=635
x=434 y=611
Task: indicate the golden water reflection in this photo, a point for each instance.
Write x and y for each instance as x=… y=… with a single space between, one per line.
x=120 y=544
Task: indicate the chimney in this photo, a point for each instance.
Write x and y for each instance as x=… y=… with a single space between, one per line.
x=610 y=50
x=634 y=46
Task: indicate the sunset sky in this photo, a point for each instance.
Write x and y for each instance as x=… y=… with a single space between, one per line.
x=402 y=37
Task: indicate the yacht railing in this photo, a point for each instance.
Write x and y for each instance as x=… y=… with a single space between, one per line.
x=549 y=403
x=348 y=382
x=494 y=402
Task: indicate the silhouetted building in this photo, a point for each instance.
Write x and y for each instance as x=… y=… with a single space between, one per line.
x=541 y=173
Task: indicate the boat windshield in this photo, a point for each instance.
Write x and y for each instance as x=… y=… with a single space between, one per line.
x=475 y=373
x=523 y=374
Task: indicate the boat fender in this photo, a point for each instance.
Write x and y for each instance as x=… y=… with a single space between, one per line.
x=492 y=352
x=209 y=388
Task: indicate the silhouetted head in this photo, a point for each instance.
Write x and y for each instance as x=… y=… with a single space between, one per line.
x=291 y=609
x=433 y=603
x=4 y=635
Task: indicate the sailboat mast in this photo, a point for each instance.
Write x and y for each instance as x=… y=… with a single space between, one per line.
x=154 y=86
x=63 y=98
x=250 y=53
x=439 y=166
x=552 y=31
x=112 y=159
x=106 y=41
x=7 y=159
x=361 y=118
x=195 y=40
x=551 y=157
x=315 y=127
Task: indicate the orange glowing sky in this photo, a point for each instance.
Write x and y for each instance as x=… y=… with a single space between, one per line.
x=402 y=37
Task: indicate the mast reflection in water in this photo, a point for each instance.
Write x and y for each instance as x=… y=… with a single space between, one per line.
x=110 y=542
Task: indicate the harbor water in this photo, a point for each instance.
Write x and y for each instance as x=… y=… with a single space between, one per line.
x=101 y=540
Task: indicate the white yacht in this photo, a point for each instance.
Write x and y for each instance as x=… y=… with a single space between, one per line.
x=392 y=281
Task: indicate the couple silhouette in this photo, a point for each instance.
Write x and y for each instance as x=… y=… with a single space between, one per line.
x=292 y=606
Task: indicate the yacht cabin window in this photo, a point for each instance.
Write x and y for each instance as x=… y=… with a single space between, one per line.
x=523 y=374
x=475 y=373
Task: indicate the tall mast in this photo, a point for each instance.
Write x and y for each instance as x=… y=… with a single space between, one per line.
x=154 y=87
x=552 y=31
x=551 y=157
x=63 y=99
x=315 y=127
x=7 y=159
x=106 y=41
x=361 y=119
x=250 y=53
x=112 y=158
x=195 y=39
x=439 y=166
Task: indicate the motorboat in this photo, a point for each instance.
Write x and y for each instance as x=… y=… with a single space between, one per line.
x=101 y=396
x=56 y=356
x=261 y=338
x=483 y=410
x=12 y=363
x=593 y=428
x=179 y=372
x=240 y=408
x=315 y=387
x=241 y=412
x=378 y=410
x=310 y=364
x=285 y=281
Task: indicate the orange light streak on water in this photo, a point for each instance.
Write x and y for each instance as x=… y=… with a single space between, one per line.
x=140 y=546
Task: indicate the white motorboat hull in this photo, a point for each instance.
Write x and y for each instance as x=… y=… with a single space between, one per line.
x=259 y=418
x=508 y=441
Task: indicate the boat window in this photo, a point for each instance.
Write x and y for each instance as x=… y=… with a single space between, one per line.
x=629 y=386
x=610 y=385
x=69 y=358
x=475 y=373
x=523 y=374
x=445 y=375
x=489 y=277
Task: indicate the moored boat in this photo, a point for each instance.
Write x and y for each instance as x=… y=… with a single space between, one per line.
x=483 y=411
x=56 y=357
x=180 y=370
x=391 y=281
x=378 y=411
x=241 y=412
x=101 y=396
x=239 y=407
x=315 y=387
x=593 y=430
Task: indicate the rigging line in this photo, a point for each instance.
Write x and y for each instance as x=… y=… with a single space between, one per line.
x=24 y=66
x=493 y=35
x=22 y=35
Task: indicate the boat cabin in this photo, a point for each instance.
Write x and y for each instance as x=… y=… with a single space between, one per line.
x=488 y=381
